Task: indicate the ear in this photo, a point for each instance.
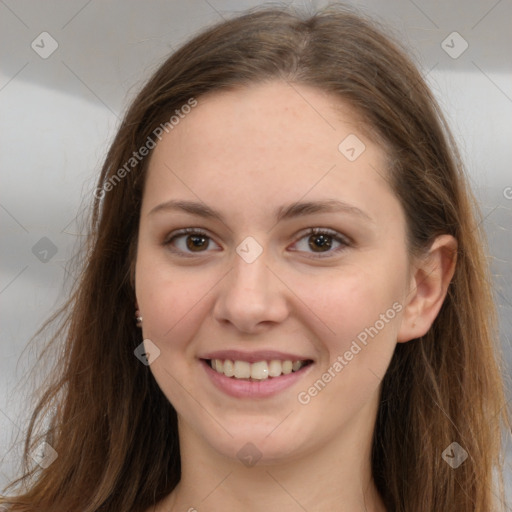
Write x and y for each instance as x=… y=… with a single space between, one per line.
x=428 y=287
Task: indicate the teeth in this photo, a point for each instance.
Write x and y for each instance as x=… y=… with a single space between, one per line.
x=242 y=370
x=261 y=370
x=274 y=368
x=228 y=369
x=287 y=367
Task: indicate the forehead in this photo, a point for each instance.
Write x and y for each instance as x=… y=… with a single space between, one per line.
x=272 y=142
x=270 y=114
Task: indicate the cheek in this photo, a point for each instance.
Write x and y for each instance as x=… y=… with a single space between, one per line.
x=358 y=304
x=169 y=308
x=172 y=302
x=362 y=312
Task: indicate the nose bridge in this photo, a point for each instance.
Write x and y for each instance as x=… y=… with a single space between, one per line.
x=250 y=272
x=250 y=294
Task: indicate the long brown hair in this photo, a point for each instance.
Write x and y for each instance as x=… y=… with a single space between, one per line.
x=113 y=429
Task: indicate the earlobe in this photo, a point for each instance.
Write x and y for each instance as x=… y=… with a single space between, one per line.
x=138 y=316
x=428 y=288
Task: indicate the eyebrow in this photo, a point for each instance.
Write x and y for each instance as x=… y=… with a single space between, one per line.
x=292 y=210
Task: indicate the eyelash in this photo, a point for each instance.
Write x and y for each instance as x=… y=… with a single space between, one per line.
x=311 y=231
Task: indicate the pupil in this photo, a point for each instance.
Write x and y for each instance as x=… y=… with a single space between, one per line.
x=197 y=241
x=321 y=241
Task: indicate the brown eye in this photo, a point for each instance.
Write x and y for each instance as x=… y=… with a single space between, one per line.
x=322 y=241
x=195 y=241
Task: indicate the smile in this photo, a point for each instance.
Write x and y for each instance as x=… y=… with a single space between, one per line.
x=262 y=377
x=259 y=370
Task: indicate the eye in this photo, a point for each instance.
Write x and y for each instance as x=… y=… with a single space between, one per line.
x=191 y=240
x=323 y=239
x=320 y=240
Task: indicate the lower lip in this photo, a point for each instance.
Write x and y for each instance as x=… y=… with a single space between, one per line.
x=240 y=388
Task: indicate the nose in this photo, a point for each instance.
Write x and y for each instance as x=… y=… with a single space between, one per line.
x=251 y=296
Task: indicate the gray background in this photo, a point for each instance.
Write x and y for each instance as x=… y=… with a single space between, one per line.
x=58 y=115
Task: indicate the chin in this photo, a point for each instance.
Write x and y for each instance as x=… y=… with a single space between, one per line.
x=259 y=446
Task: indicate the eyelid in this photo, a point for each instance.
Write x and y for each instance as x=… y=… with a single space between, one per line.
x=185 y=231
x=327 y=231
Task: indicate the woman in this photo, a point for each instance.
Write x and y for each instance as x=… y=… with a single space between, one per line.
x=285 y=303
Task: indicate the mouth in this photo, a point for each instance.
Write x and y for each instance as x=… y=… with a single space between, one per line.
x=257 y=375
x=257 y=371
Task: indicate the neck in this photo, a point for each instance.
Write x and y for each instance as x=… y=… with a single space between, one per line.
x=334 y=476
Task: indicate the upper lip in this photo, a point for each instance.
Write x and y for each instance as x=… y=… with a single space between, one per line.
x=253 y=357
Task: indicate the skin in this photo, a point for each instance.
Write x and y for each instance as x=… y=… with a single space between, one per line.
x=245 y=153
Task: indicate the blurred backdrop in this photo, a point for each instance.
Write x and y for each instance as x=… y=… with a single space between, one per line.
x=69 y=69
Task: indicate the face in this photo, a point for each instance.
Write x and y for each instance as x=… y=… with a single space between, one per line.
x=261 y=283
